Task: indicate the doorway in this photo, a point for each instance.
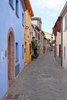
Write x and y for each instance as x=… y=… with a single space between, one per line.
x=10 y=58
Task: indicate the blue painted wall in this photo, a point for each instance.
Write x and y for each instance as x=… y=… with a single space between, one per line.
x=9 y=19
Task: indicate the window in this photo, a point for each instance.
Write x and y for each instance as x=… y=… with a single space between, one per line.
x=17 y=8
x=66 y=22
x=22 y=51
x=22 y=19
x=11 y=3
x=17 y=52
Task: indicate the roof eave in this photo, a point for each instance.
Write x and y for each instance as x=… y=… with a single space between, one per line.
x=64 y=10
x=29 y=8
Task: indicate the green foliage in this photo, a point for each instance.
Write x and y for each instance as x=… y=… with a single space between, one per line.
x=34 y=44
x=35 y=49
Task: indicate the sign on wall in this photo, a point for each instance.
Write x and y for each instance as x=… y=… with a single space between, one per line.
x=2 y=56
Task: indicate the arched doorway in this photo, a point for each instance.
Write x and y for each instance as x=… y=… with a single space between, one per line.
x=10 y=57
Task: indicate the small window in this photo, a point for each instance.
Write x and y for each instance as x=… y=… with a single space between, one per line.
x=11 y=3
x=17 y=8
x=22 y=19
x=22 y=51
x=17 y=52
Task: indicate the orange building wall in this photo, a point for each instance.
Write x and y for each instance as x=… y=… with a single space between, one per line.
x=27 y=37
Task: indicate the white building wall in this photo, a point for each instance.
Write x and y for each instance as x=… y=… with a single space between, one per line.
x=57 y=50
x=34 y=22
x=37 y=23
x=58 y=42
x=64 y=44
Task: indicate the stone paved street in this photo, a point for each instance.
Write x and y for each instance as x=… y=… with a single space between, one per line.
x=43 y=79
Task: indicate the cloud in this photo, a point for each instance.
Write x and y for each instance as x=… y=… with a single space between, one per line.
x=48 y=10
x=54 y=4
x=48 y=3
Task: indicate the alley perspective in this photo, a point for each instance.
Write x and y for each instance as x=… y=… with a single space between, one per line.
x=42 y=79
x=33 y=50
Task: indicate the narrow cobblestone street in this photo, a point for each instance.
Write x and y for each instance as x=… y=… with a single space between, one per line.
x=43 y=79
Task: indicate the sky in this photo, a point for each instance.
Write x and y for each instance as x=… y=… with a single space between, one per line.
x=48 y=10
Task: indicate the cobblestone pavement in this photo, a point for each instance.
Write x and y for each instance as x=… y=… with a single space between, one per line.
x=43 y=79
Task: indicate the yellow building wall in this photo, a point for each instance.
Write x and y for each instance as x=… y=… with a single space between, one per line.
x=27 y=37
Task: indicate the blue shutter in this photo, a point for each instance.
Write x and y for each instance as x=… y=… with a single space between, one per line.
x=17 y=52
x=11 y=4
x=17 y=8
x=23 y=19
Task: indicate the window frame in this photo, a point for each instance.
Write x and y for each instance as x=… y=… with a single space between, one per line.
x=11 y=3
x=22 y=51
x=17 y=52
x=22 y=19
x=17 y=8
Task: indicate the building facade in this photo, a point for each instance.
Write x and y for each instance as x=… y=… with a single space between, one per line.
x=37 y=23
x=11 y=42
x=27 y=32
x=48 y=36
x=60 y=33
x=64 y=36
x=45 y=44
x=42 y=42
x=35 y=32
